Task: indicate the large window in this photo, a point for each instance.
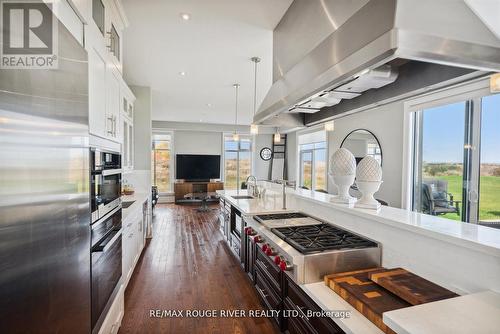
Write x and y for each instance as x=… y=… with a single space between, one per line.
x=457 y=160
x=237 y=160
x=161 y=162
x=312 y=161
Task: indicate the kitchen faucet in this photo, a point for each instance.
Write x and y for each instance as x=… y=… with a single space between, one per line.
x=253 y=191
x=283 y=183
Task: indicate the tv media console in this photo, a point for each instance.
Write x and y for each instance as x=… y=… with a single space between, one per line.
x=183 y=188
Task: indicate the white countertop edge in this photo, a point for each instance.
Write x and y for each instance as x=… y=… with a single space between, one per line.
x=439 y=232
x=329 y=300
x=393 y=325
x=139 y=198
x=438 y=228
x=477 y=313
x=227 y=195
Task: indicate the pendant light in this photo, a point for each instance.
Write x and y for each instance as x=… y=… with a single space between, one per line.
x=277 y=136
x=254 y=128
x=236 y=137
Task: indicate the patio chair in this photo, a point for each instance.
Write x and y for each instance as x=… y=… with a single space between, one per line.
x=436 y=200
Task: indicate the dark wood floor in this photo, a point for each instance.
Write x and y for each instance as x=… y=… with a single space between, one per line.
x=187 y=265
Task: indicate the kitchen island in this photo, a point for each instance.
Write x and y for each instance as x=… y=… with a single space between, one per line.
x=445 y=252
x=324 y=298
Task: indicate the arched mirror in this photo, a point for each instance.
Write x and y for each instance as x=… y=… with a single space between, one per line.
x=361 y=143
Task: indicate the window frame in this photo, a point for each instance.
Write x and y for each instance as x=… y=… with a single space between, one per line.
x=313 y=152
x=471 y=93
x=237 y=151
x=171 y=165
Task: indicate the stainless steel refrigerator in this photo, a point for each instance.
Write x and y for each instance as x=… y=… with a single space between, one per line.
x=44 y=196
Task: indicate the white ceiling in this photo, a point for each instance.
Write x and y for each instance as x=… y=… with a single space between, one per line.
x=214 y=48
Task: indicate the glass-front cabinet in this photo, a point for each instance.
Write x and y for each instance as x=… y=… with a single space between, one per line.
x=127 y=128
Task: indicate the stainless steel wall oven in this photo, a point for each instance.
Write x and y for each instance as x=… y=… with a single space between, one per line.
x=105 y=186
x=106 y=231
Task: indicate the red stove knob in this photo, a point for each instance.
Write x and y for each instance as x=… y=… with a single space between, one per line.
x=269 y=251
x=285 y=265
x=257 y=239
x=248 y=231
x=264 y=247
x=278 y=259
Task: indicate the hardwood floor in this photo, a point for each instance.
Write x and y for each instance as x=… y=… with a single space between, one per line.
x=188 y=266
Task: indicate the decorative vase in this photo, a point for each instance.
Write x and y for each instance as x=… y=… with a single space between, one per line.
x=368 y=189
x=342 y=170
x=368 y=180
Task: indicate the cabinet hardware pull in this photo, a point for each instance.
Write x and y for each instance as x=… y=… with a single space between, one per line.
x=302 y=308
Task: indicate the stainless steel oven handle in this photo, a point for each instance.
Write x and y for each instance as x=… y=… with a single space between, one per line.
x=107 y=172
x=110 y=242
x=105 y=218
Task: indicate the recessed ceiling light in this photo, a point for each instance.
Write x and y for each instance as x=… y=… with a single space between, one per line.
x=182 y=73
x=185 y=16
x=209 y=105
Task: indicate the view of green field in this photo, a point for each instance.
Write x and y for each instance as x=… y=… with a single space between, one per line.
x=489 y=195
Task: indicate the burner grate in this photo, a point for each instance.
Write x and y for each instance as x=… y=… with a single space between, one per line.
x=277 y=216
x=320 y=237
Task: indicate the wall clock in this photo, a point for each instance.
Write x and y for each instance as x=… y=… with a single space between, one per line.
x=266 y=154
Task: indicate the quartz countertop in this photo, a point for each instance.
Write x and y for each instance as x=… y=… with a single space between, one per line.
x=139 y=198
x=472 y=236
x=477 y=313
x=328 y=300
x=271 y=203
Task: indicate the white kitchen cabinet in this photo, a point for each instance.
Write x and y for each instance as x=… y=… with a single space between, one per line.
x=82 y=9
x=69 y=17
x=112 y=119
x=114 y=23
x=105 y=79
x=128 y=144
x=97 y=92
x=127 y=127
x=113 y=319
x=132 y=242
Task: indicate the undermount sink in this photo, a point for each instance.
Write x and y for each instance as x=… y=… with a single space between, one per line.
x=243 y=197
x=126 y=204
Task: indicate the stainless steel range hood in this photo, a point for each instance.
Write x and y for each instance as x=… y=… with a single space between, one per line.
x=378 y=33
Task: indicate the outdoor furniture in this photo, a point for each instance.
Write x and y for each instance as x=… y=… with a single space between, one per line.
x=382 y=202
x=436 y=200
x=202 y=197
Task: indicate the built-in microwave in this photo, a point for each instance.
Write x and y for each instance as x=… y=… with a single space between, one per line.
x=105 y=182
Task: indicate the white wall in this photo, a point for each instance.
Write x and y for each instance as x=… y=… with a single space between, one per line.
x=197 y=142
x=210 y=142
x=386 y=123
x=142 y=127
x=261 y=167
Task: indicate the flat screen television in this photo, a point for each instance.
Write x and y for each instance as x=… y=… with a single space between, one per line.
x=197 y=167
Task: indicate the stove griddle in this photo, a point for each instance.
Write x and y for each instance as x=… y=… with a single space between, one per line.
x=320 y=237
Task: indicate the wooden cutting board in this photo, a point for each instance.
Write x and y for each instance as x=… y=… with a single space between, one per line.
x=365 y=295
x=410 y=287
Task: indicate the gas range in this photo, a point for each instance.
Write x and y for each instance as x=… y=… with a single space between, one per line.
x=320 y=237
x=286 y=219
x=314 y=248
